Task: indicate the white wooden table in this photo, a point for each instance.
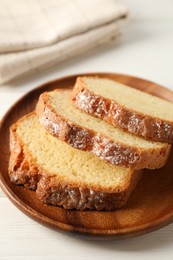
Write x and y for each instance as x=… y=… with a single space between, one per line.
x=145 y=50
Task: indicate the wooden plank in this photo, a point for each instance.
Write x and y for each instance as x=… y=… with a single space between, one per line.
x=2 y=194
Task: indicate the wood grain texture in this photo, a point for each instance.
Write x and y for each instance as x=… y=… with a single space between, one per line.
x=149 y=207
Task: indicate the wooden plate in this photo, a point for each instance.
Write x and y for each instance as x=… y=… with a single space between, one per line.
x=149 y=208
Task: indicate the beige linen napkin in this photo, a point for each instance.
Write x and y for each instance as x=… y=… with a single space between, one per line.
x=37 y=33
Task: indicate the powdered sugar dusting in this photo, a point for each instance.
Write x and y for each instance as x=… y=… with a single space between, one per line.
x=114 y=153
x=79 y=197
x=134 y=122
x=91 y=105
x=78 y=138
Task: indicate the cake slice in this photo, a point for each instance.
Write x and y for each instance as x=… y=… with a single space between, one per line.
x=60 y=118
x=122 y=106
x=62 y=175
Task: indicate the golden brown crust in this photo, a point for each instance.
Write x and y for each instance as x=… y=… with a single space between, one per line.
x=24 y=170
x=51 y=191
x=21 y=169
x=132 y=121
x=87 y=140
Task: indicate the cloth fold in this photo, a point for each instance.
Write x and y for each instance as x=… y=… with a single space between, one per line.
x=37 y=33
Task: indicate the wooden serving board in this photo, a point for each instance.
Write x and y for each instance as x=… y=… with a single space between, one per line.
x=149 y=207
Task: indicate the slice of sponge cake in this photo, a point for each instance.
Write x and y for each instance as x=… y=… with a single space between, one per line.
x=62 y=175
x=122 y=106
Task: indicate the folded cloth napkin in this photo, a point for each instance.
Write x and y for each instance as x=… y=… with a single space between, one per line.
x=37 y=33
